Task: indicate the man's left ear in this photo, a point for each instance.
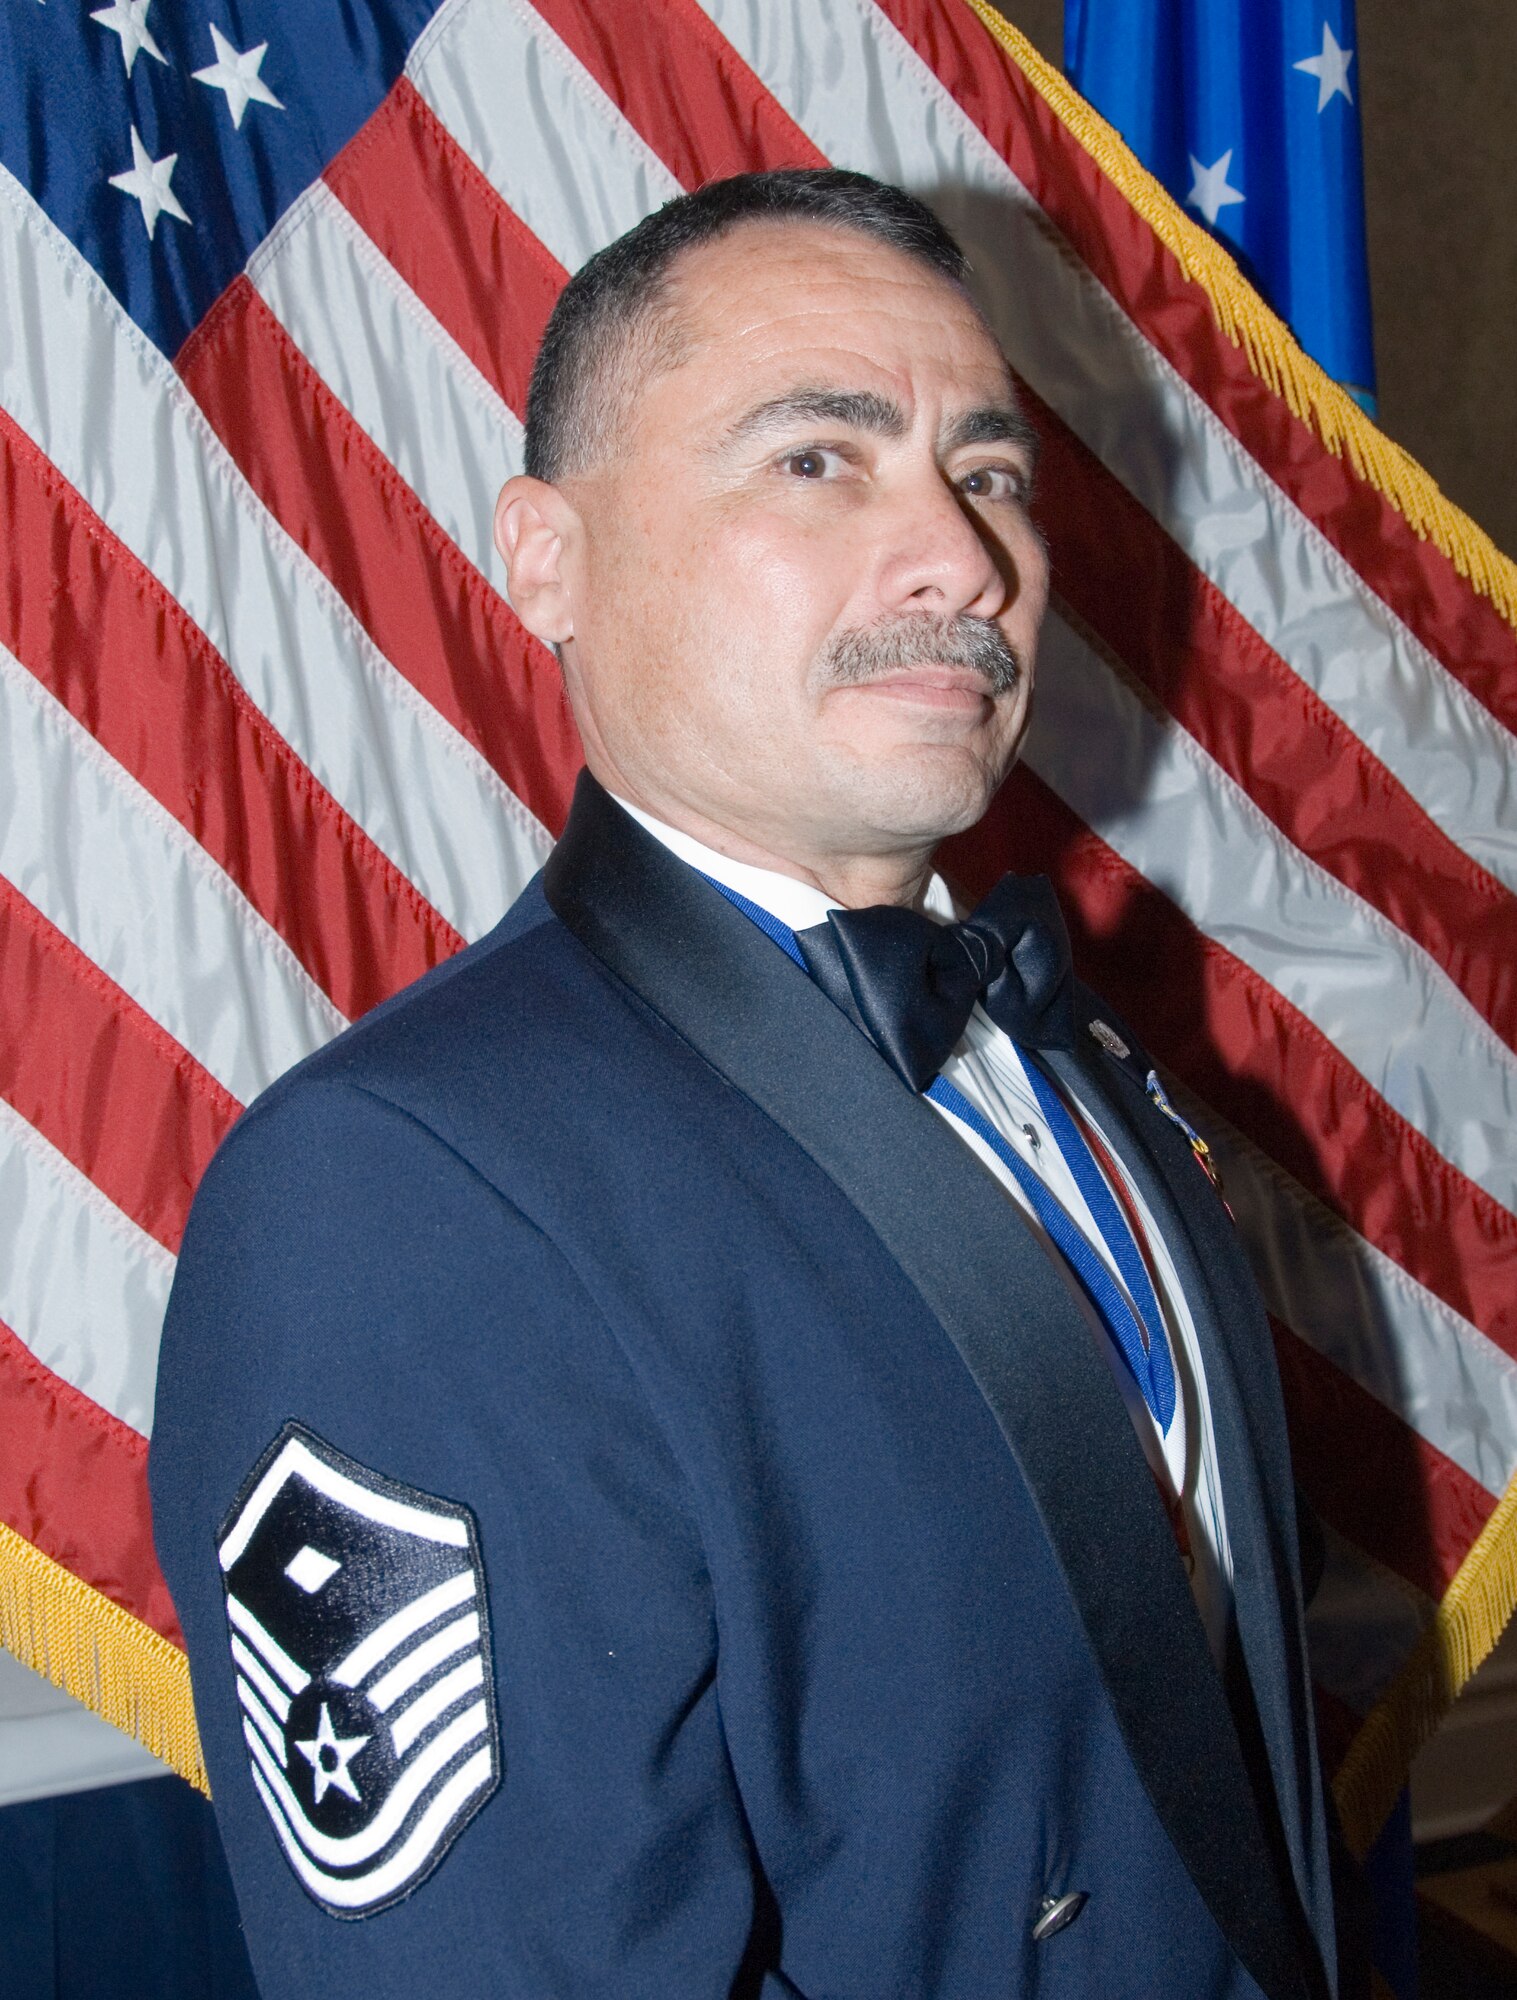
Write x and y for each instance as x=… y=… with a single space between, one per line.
x=534 y=525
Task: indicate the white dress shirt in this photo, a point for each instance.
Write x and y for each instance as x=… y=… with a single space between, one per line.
x=987 y=1069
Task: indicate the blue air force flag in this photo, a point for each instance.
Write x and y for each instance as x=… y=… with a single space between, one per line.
x=356 y=1614
x=1248 y=111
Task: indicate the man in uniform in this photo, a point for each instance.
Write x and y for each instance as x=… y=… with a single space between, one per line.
x=723 y=1442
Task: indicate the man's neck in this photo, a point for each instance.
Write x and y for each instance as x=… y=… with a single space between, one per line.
x=855 y=881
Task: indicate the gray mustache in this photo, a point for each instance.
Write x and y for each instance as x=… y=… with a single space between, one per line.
x=855 y=657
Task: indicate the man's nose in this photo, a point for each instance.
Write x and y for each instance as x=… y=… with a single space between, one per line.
x=941 y=558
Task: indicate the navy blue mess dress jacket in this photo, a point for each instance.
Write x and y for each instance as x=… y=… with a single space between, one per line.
x=649 y=1522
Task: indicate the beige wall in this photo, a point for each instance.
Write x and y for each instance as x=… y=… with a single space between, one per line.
x=1440 y=146
x=1437 y=84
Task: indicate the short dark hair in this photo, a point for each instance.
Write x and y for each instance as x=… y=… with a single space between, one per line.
x=615 y=310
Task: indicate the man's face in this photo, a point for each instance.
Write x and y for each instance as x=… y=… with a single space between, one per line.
x=801 y=596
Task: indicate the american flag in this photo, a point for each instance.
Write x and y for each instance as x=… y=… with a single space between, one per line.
x=272 y=273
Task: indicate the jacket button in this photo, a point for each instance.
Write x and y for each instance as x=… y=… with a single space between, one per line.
x=1057 y=1913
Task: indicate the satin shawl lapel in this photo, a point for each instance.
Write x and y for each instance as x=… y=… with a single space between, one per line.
x=736 y=999
x=1252 y=1449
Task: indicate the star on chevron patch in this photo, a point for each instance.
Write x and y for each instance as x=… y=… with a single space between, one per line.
x=360 y=1637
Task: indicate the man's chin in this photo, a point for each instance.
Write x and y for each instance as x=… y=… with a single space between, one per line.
x=921 y=794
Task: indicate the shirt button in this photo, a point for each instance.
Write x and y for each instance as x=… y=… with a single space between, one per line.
x=1057 y=1913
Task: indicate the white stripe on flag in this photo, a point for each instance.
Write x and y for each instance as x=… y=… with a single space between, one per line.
x=96 y=397
x=80 y=1284
x=1365 y=1314
x=1170 y=811
x=398 y=373
x=537 y=125
x=118 y=874
x=866 y=100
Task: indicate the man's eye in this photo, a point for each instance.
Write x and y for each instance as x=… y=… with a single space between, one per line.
x=813 y=463
x=992 y=482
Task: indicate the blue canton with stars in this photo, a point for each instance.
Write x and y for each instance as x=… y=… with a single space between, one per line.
x=166 y=137
x=1248 y=111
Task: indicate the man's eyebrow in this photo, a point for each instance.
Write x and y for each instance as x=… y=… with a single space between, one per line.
x=851 y=409
x=992 y=423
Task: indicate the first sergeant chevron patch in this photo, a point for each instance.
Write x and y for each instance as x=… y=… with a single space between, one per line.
x=359 y=1633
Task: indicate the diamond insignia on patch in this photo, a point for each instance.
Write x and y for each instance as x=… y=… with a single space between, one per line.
x=360 y=1637
x=311 y=1569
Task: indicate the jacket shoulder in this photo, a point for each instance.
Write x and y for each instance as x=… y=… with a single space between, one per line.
x=442 y=1022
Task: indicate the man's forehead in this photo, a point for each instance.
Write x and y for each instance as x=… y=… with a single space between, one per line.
x=790 y=280
x=775 y=311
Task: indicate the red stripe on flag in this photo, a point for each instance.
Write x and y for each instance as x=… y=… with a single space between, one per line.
x=101 y=1080
x=684 y=87
x=1392 y=1494
x=478 y=269
x=427 y=608
x=1303 y=766
x=73 y=1482
x=1255 y=1058
x=1465 y=631
x=122 y=656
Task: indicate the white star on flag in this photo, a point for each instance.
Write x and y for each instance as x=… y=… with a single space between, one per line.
x=1330 y=69
x=331 y=1770
x=237 y=76
x=147 y=181
x=1209 y=190
x=128 y=19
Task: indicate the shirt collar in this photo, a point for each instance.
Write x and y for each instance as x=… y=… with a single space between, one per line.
x=795 y=904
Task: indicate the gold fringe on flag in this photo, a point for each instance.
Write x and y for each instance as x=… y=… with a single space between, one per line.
x=1272 y=350
x=98 y=1653
x=1465 y=1627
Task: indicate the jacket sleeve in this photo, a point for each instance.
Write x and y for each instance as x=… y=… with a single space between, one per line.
x=344 y=1270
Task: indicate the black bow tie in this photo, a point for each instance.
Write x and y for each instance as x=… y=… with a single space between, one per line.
x=912 y=983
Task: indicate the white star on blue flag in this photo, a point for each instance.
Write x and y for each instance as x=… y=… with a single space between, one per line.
x=1209 y=190
x=147 y=181
x=236 y=76
x=1330 y=68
